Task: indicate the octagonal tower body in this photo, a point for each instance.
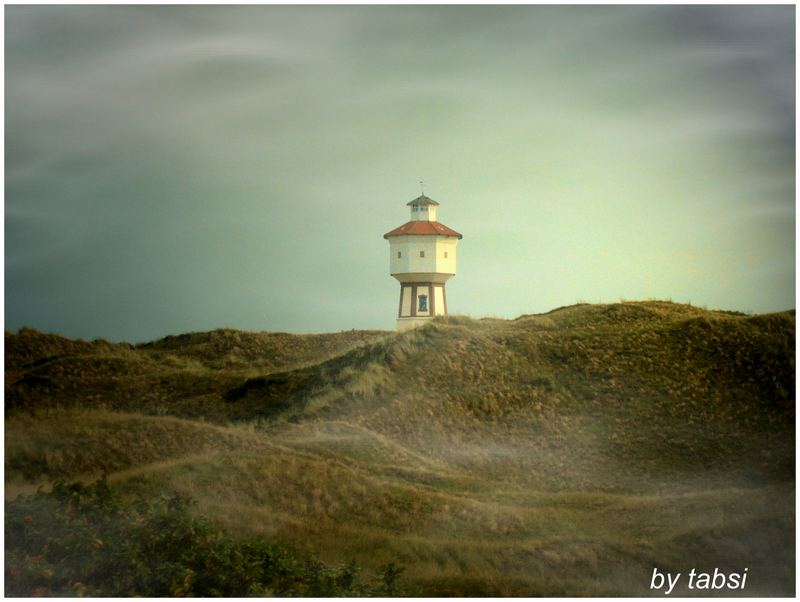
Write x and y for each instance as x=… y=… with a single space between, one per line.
x=422 y=258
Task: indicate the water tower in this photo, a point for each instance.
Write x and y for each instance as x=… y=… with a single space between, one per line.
x=422 y=258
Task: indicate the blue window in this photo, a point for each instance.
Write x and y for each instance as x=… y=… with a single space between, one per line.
x=423 y=303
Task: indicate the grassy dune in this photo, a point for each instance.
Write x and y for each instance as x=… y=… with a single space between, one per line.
x=566 y=453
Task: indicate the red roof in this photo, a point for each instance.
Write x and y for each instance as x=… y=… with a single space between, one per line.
x=422 y=226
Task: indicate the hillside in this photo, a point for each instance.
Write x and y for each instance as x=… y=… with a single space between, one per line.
x=183 y=375
x=565 y=453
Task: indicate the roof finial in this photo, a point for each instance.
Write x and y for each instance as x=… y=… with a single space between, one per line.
x=422 y=187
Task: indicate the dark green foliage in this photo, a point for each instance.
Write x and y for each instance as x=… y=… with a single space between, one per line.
x=86 y=541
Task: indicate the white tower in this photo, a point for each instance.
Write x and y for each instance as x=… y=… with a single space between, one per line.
x=422 y=258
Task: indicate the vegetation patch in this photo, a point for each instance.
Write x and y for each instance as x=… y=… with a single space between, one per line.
x=81 y=540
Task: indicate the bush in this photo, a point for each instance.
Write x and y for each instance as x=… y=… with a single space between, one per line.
x=81 y=540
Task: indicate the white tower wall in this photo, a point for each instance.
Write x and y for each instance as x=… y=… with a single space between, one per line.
x=419 y=254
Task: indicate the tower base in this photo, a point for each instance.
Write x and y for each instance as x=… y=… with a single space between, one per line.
x=420 y=301
x=409 y=323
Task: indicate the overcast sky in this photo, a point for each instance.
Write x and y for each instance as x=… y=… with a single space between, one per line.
x=175 y=169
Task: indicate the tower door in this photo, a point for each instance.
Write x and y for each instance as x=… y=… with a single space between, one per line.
x=423 y=300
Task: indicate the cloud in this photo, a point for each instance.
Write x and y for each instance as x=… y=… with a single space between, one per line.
x=223 y=159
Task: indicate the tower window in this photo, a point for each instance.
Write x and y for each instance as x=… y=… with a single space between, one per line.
x=422 y=253
x=423 y=208
x=399 y=254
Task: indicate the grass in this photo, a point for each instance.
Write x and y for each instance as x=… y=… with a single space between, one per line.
x=81 y=541
x=566 y=453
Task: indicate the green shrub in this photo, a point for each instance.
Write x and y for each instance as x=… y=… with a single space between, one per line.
x=81 y=540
